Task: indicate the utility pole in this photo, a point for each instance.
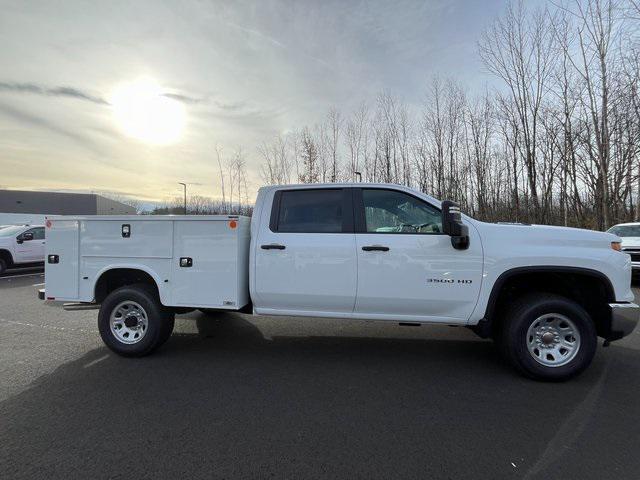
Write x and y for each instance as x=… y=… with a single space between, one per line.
x=184 y=185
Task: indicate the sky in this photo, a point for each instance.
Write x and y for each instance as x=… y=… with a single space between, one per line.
x=133 y=97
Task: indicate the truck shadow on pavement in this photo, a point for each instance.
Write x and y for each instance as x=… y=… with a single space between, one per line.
x=226 y=402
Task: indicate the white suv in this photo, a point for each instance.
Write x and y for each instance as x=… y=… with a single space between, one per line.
x=21 y=245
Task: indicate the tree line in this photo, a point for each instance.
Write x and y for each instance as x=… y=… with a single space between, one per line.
x=556 y=141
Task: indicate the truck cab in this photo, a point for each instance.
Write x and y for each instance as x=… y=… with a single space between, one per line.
x=356 y=251
x=21 y=245
x=394 y=259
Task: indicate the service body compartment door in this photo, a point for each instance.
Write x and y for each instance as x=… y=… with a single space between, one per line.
x=207 y=276
x=61 y=271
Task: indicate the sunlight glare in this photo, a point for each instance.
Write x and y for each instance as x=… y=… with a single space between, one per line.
x=143 y=111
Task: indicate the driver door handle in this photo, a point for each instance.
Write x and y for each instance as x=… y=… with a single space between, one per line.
x=375 y=248
x=272 y=246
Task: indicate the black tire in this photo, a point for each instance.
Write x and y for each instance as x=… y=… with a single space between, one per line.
x=523 y=314
x=3 y=266
x=168 y=328
x=160 y=320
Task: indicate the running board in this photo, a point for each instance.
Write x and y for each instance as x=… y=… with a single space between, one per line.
x=70 y=307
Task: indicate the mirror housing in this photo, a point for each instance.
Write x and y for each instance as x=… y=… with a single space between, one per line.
x=25 y=237
x=452 y=225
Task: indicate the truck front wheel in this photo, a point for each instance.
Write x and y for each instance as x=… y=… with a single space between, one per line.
x=547 y=337
x=133 y=322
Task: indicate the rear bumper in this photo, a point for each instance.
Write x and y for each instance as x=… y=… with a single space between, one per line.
x=624 y=318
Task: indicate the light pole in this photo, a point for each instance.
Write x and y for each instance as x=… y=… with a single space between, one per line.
x=184 y=186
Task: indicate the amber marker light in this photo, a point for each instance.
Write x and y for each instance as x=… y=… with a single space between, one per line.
x=616 y=246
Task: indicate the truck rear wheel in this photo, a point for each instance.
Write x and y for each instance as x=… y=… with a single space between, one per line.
x=547 y=337
x=133 y=322
x=3 y=266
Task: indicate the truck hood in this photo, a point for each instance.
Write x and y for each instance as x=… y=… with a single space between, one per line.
x=546 y=234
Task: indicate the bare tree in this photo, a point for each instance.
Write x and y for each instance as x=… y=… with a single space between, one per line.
x=276 y=166
x=309 y=155
x=334 y=126
x=518 y=48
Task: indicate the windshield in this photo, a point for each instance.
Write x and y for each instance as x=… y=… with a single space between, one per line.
x=9 y=231
x=625 y=230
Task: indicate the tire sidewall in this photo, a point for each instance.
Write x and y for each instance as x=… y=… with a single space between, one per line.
x=518 y=339
x=157 y=318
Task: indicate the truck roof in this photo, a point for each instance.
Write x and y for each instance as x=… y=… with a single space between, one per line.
x=150 y=218
x=351 y=184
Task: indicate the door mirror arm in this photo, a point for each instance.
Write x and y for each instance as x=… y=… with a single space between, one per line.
x=452 y=225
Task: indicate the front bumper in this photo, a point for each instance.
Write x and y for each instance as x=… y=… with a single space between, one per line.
x=624 y=318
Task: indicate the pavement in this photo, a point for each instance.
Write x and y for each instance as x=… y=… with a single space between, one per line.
x=242 y=397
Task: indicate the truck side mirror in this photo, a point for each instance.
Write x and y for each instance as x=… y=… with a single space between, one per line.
x=25 y=237
x=452 y=225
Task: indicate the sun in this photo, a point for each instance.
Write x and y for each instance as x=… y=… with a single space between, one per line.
x=143 y=111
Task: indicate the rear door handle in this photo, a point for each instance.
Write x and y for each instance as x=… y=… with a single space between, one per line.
x=272 y=246
x=375 y=248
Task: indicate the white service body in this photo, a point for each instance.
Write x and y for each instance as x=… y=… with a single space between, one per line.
x=91 y=246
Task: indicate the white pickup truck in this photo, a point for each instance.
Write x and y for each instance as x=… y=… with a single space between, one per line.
x=354 y=251
x=21 y=245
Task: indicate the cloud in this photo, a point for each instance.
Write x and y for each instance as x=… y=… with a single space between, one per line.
x=72 y=92
x=69 y=92
x=184 y=98
x=230 y=106
x=34 y=120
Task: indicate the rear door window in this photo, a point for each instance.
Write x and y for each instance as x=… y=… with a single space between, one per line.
x=310 y=211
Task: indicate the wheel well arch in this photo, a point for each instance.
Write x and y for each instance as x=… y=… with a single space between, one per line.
x=116 y=277
x=590 y=288
x=6 y=256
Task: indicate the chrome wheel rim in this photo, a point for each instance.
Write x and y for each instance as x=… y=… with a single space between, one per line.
x=129 y=322
x=553 y=340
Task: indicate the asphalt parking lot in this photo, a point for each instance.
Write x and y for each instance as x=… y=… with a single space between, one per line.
x=243 y=397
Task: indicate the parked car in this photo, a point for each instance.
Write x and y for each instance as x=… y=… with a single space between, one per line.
x=21 y=245
x=366 y=251
x=629 y=233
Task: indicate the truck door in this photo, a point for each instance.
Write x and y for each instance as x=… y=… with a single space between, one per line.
x=305 y=259
x=39 y=244
x=30 y=246
x=407 y=267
